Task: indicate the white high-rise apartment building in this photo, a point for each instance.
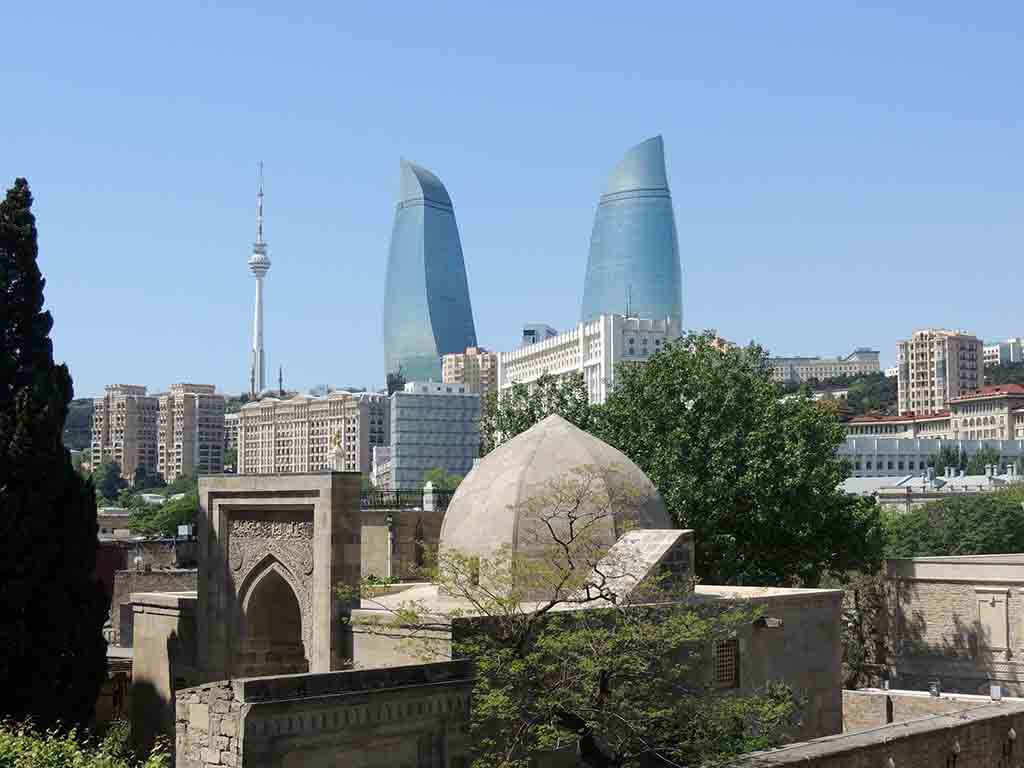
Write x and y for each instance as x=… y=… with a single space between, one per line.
x=190 y=436
x=1005 y=352
x=433 y=426
x=935 y=366
x=797 y=369
x=299 y=434
x=476 y=368
x=593 y=348
x=124 y=429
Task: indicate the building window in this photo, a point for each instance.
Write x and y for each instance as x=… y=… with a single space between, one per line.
x=726 y=663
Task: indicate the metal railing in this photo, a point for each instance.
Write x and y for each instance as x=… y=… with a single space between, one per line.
x=404 y=499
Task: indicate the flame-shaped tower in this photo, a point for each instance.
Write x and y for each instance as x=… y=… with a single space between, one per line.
x=634 y=250
x=259 y=265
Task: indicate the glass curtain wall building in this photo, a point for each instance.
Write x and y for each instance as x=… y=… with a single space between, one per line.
x=427 y=312
x=633 y=266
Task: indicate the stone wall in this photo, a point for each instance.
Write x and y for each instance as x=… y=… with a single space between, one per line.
x=959 y=622
x=407 y=548
x=979 y=737
x=126 y=582
x=873 y=707
x=404 y=717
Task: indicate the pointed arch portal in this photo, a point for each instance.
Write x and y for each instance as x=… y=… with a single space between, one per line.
x=270 y=641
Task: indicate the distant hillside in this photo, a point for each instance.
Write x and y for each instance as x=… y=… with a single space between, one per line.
x=868 y=393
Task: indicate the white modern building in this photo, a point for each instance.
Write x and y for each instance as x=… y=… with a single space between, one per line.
x=594 y=349
x=799 y=369
x=1004 y=352
x=895 y=457
x=433 y=426
x=936 y=366
x=380 y=473
x=299 y=434
x=892 y=372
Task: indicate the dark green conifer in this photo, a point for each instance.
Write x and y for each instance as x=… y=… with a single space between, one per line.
x=52 y=606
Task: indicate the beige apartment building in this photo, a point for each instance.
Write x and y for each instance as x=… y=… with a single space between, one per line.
x=937 y=366
x=298 y=434
x=798 y=369
x=476 y=369
x=124 y=429
x=190 y=431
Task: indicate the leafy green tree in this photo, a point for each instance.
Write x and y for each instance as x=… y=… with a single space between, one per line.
x=442 y=480
x=25 y=746
x=107 y=479
x=502 y=418
x=974 y=524
x=977 y=463
x=181 y=484
x=52 y=652
x=1010 y=373
x=164 y=520
x=948 y=456
x=622 y=681
x=756 y=478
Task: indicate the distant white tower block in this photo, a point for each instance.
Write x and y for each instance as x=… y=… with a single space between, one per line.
x=259 y=265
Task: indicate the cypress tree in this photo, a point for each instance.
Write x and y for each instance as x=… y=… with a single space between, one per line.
x=52 y=606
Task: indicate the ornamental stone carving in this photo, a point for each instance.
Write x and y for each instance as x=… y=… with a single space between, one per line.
x=251 y=545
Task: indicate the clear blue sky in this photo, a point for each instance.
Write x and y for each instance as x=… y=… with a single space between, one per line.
x=842 y=173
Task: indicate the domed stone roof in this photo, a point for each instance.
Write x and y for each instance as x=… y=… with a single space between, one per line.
x=503 y=500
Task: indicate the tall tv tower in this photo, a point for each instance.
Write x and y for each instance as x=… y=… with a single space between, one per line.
x=259 y=265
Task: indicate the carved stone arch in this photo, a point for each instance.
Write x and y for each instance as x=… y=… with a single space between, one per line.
x=263 y=624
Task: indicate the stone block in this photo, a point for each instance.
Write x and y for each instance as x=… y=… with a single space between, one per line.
x=221 y=742
x=199 y=716
x=211 y=756
x=229 y=759
x=229 y=726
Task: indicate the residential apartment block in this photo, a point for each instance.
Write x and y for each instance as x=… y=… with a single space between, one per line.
x=476 y=369
x=124 y=429
x=895 y=457
x=190 y=431
x=592 y=348
x=432 y=426
x=298 y=434
x=1004 y=352
x=937 y=366
x=798 y=369
x=231 y=421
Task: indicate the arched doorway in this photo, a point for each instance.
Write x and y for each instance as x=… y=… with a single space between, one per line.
x=271 y=629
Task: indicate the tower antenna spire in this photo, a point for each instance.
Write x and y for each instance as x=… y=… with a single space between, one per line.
x=259 y=209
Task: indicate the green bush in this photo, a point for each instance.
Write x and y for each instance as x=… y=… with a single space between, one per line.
x=22 y=746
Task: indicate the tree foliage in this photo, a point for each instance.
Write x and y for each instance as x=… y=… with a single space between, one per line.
x=108 y=481
x=1009 y=373
x=442 y=480
x=24 y=746
x=986 y=455
x=974 y=524
x=514 y=412
x=163 y=520
x=948 y=456
x=622 y=681
x=53 y=657
x=756 y=478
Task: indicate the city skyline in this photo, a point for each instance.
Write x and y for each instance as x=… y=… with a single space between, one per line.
x=837 y=174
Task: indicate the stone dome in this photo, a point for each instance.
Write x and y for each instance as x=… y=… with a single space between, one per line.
x=496 y=505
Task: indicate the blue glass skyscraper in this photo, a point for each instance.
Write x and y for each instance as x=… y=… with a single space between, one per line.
x=427 y=312
x=634 y=251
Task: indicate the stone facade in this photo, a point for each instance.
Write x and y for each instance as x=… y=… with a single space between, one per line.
x=273 y=549
x=127 y=582
x=412 y=717
x=959 y=620
x=398 y=543
x=983 y=737
x=874 y=707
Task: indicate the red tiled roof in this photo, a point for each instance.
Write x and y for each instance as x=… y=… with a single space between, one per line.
x=993 y=390
x=909 y=417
